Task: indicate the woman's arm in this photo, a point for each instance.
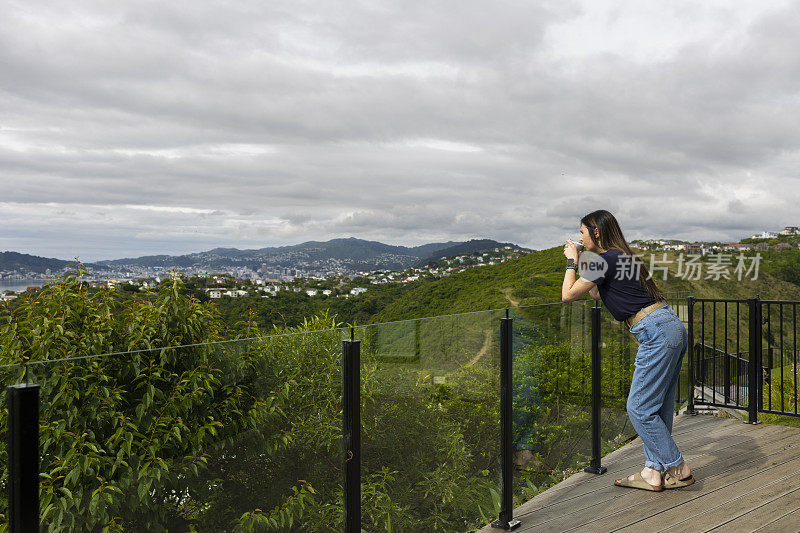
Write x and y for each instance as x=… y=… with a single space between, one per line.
x=594 y=292
x=572 y=290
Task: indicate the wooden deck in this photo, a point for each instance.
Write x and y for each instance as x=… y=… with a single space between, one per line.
x=748 y=479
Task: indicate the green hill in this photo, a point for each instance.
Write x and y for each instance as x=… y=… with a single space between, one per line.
x=533 y=278
x=474 y=245
x=34 y=263
x=537 y=277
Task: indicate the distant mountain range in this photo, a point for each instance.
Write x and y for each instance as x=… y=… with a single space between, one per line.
x=351 y=253
x=15 y=261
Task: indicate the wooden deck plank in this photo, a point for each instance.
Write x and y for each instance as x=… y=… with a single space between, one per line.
x=788 y=523
x=745 y=478
x=751 y=520
x=616 y=507
x=587 y=494
x=711 y=504
x=704 y=444
x=683 y=422
x=627 y=457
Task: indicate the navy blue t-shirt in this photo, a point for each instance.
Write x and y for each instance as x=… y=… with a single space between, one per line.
x=618 y=283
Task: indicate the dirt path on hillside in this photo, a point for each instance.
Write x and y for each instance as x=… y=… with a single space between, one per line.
x=487 y=342
x=507 y=293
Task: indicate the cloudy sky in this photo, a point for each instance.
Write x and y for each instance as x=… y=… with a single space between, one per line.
x=132 y=128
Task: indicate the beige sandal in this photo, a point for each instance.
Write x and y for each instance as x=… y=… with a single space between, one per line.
x=638 y=482
x=673 y=482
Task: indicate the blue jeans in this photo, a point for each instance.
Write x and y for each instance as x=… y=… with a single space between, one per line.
x=662 y=341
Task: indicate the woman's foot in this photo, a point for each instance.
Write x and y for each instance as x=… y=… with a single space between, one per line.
x=682 y=471
x=677 y=477
x=647 y=479
x=652 y=476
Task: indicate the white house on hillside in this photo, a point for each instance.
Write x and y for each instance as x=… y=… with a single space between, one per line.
x=765 y=235
x=237 y=293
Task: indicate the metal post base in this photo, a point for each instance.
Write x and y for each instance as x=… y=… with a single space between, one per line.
x=508 y=526
x=757 y=422
x=693 y=412
x=596 y=469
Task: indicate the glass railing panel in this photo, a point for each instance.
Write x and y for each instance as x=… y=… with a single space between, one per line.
x=552 y=393
x=431 y=423
x=618 y=351
x=210 y=437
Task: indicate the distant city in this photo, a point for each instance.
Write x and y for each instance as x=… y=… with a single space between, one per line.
x=269 y=277
x=704 y=248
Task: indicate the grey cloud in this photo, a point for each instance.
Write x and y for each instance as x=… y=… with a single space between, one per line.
x=393 y=121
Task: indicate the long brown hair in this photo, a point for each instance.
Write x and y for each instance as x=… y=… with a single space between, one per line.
x=611 y=237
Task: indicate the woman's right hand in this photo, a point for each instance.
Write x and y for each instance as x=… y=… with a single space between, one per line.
x=571 y=251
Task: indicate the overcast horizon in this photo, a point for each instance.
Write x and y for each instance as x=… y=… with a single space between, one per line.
x=131 y=129
x=188 y=252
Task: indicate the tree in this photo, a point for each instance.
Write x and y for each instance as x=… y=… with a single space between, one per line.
x=125 y=437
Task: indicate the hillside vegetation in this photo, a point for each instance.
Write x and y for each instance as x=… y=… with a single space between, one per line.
x=537 y=277
x=533 y=278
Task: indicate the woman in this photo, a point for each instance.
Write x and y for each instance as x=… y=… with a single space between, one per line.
x=615 y=275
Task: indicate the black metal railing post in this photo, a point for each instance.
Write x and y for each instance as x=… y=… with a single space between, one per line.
x=726 y=364
x=23 y=457
x=760 y=370
x=594 y=466
x=506 y=520
x=351 y=432
x=754 y=363
x=690 y=410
